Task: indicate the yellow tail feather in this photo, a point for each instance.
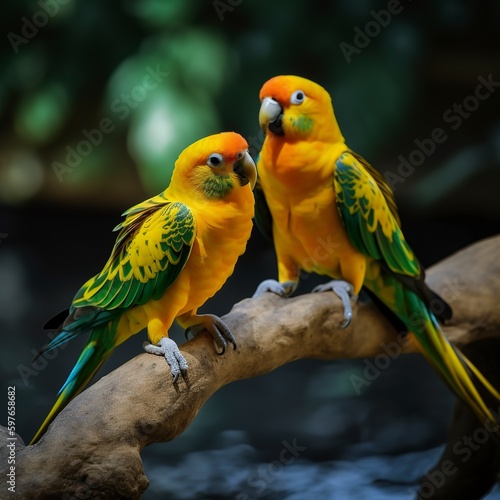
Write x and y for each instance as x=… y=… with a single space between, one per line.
x=58 y=405
x=458 y=376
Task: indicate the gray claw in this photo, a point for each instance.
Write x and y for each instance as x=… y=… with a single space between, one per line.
x=219 y=331
x=282 y=289
x=344 y=291
x=168 y=348
x=223 y=332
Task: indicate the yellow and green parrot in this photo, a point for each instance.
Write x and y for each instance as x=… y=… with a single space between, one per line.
x=172 y=253
x=328 y=211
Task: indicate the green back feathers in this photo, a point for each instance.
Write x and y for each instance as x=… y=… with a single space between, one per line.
x=368 y=214
x=152 y=247
x=381 y=183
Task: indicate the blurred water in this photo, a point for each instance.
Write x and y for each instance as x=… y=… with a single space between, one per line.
x=232 y=472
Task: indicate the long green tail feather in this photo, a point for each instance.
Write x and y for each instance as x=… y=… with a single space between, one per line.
x=463 y=378
x=94 y=354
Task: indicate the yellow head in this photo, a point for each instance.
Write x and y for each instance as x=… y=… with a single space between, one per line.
x=294 y=109
x=214 y=167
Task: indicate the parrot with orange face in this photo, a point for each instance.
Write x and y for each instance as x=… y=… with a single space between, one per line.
x=328 y=211
x=172 y=253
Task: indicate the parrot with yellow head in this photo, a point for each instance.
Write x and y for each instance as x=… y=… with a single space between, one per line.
x=313 y=190
x=172 y=253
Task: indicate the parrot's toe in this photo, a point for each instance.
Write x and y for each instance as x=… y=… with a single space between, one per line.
x=217 y=328
x=345 y=292
x=282 y=289
x=168 y=348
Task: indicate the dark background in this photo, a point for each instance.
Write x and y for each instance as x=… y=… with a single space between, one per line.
x=76 y=69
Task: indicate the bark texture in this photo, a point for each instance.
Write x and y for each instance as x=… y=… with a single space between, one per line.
x=92 y=449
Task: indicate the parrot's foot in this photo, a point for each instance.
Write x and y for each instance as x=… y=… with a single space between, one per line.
x=216 y=327
x=284 y=289
x=345 y=292
x=168 y=348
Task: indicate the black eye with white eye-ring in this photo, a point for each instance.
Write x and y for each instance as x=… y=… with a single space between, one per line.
x=215 y=160
x=297 y=97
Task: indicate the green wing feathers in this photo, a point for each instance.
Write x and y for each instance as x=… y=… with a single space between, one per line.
x=152 y=247
x=370 y=218
x=382 y=184
x=368 y=211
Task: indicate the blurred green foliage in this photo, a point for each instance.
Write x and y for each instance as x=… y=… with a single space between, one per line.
x=68 y=66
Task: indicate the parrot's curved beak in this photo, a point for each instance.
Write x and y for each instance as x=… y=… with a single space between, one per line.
x=271 y=116
x=245 y=169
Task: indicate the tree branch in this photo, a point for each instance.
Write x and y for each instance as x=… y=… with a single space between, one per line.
x=92 y=449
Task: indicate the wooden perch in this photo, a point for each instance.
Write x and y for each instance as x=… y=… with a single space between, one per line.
x=92 y=449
